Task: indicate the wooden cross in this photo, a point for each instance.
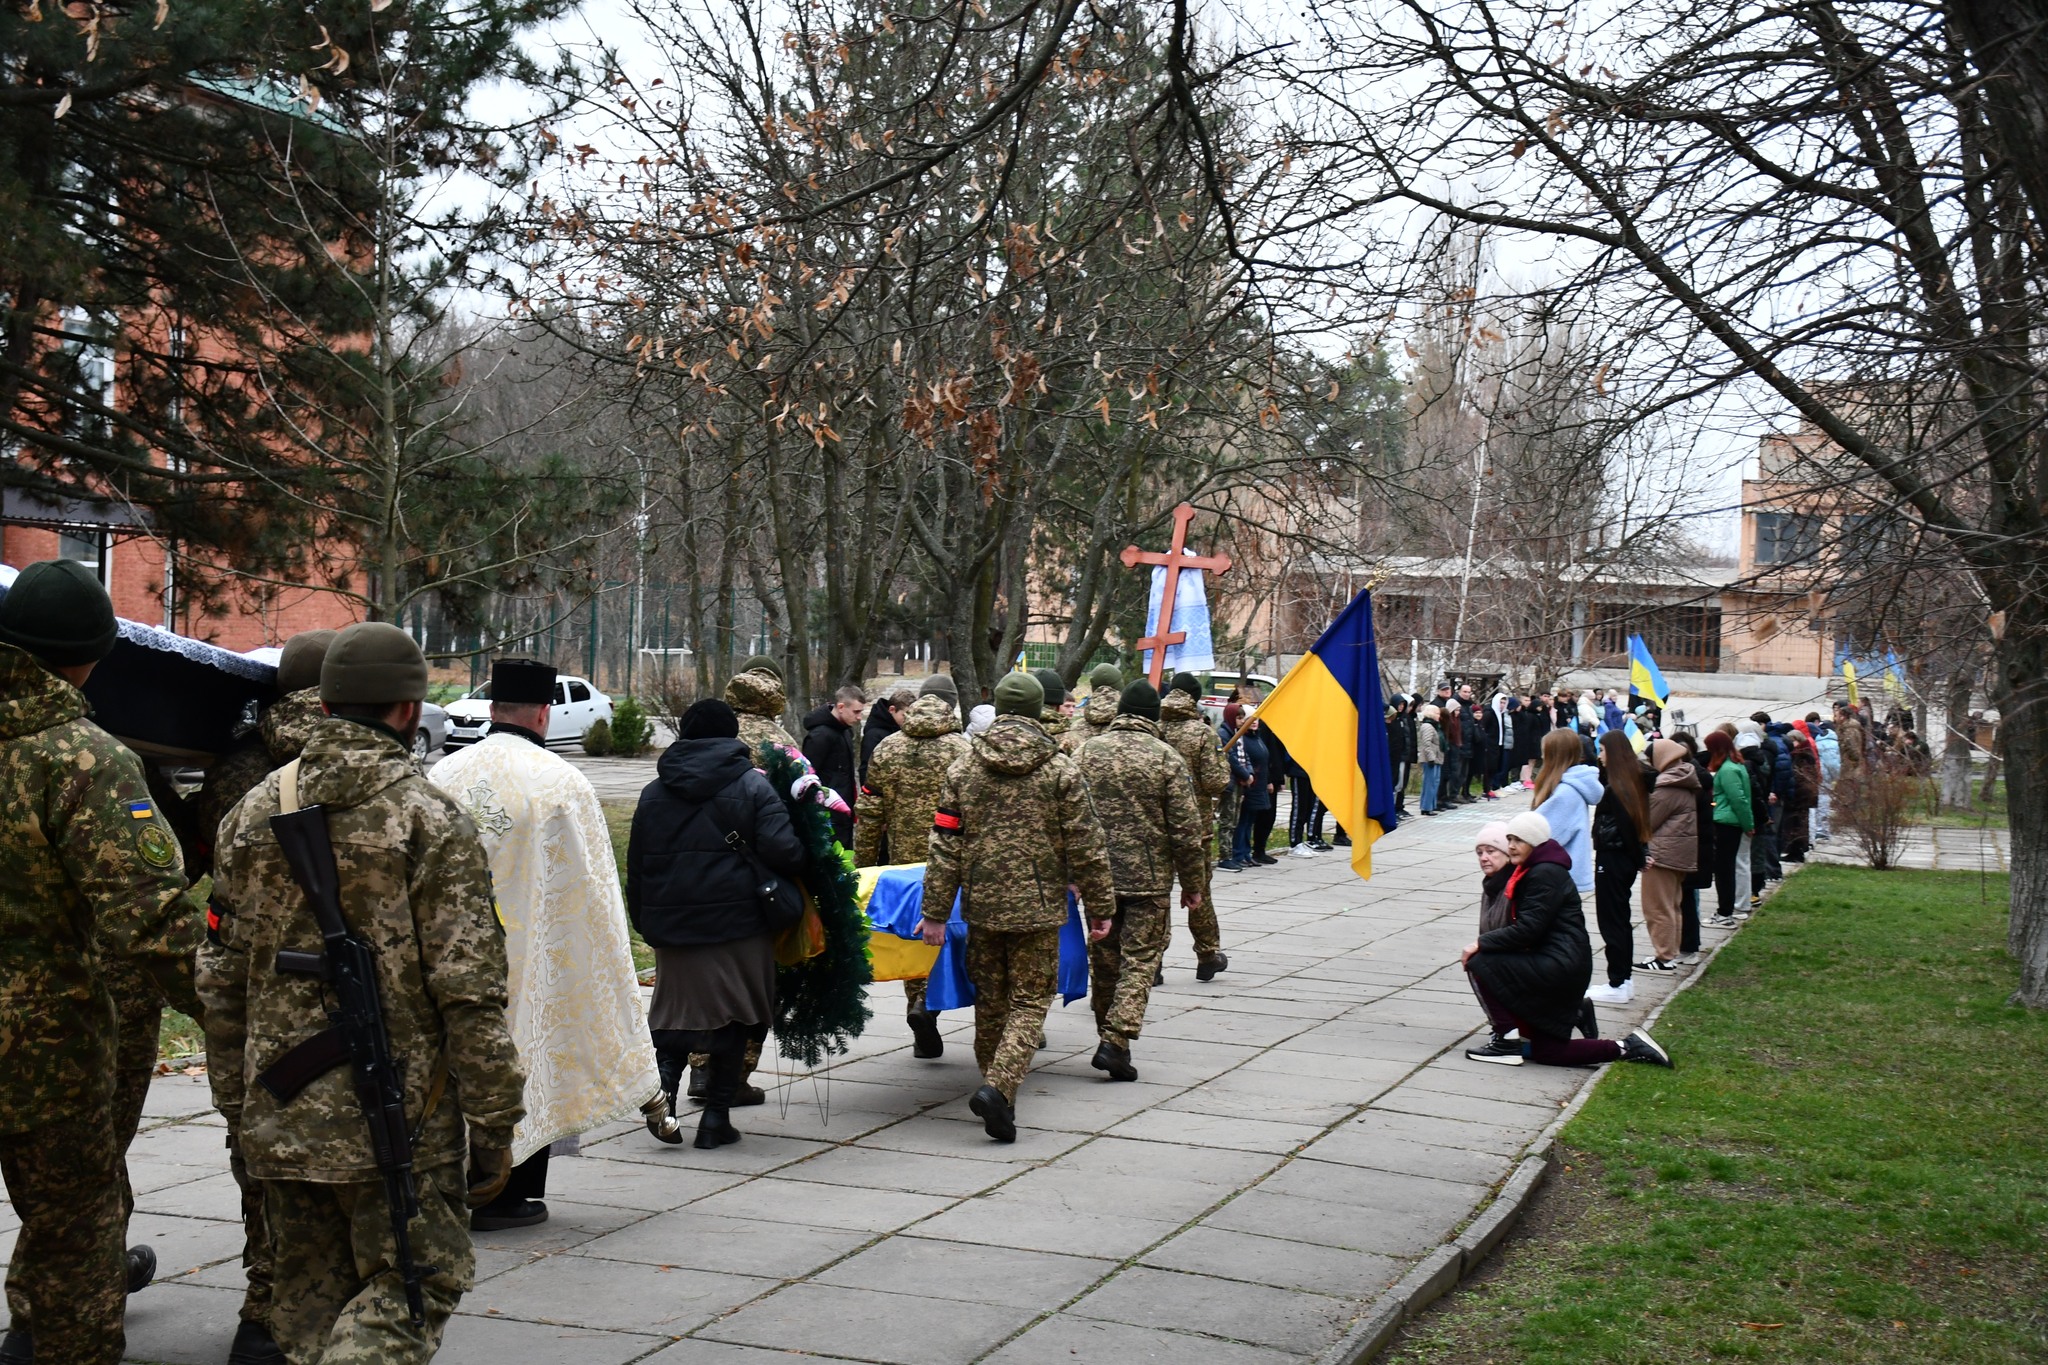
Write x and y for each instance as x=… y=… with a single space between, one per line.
x=1175 y=560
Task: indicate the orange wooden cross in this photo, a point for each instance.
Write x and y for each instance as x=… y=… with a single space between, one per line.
x=1175 y=560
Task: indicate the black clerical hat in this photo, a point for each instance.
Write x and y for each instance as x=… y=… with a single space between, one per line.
x=522 y=682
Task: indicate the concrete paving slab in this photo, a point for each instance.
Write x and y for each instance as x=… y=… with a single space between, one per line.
x=868 y=1325
x=1001 y=1220
x=1076 y=1340
x=1336 y=1271
x=575 y=1291
x=953 y=1270
x=484 y=1340
x=1261 y=1315
x=698 y=1241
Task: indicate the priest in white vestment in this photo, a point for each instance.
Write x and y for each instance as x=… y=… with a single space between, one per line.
x=576 y=1009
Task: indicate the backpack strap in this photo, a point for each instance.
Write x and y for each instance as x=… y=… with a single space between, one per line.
x=288 y=788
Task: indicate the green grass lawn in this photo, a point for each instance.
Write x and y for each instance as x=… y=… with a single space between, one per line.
x=1989 y=814
x=1850 y=1163
x=618 y=818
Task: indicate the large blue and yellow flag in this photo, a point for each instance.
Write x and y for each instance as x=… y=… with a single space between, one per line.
x=1645 y=679
x=1330 y=714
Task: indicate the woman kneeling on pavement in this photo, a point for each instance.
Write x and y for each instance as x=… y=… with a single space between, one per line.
x=1531 y=974
x=696 y=898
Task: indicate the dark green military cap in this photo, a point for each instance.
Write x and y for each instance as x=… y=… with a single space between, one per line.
x=1106 y=675
x=1188 y=683
x=1019 y=694
x=1055 y=686
x=373 y=663
x=298 y=664
x=1139 y=699
x=58 y=612
x=761 y=663
x=941 y=684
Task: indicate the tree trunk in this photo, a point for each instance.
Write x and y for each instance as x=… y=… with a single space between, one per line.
x=2008 y=39
x=2021 y=658
x=1954 y=780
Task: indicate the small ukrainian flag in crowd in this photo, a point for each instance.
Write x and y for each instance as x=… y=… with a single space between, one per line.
x=1330 y=713
x=1645 y=679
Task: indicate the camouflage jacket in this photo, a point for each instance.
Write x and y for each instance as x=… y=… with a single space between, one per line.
x=760 y=702
x=1146 y=802
x=89 y=871
x=1093 y=720
x=904 y=777
x=416 y=883
x=1055 y=723
x=1182 y=724
x=1013 y=829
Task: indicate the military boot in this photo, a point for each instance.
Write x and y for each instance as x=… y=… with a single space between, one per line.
x=253 y=1345
x=18 y=1347
x=141 y=1268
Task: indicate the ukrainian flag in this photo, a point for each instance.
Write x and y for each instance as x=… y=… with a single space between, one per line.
x=1331 y=715
x=1645 y=679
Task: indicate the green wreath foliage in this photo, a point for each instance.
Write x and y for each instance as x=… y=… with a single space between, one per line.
x=821 y=1005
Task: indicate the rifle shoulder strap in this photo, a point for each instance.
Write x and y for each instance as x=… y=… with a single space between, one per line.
x=288 y=788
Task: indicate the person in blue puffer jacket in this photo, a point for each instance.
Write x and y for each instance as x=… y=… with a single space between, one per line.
x=1565 y=795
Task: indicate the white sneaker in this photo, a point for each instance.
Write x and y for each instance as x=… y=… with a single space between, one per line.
x=1613 y=995
x=1689 y=960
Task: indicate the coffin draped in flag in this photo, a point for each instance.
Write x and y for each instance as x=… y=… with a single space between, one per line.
x=170 y=697
x=1330 y=713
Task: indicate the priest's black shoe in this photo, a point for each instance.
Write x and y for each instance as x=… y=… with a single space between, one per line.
x=997 y=1118
x=924 y=1033
x=141 y=1268
x=1115 y=1060
x=18 y=1347
x=507 y=1214
x=253 y=1345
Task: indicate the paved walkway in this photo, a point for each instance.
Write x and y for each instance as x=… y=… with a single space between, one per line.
x=1305 y=1129
x=1941 y=848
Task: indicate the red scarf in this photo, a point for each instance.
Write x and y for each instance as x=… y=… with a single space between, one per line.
x=1514 y=878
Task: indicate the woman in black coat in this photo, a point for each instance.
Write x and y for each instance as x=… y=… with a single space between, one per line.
x=1531 y=974
x=695 y=898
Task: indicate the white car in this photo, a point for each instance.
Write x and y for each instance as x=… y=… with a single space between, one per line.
x=577 y=707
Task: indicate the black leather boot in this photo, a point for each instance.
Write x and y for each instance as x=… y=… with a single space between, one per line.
x=714 y=1127
x=253 y=1345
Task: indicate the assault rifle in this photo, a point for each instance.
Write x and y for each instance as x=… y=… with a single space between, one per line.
x=357 y=1035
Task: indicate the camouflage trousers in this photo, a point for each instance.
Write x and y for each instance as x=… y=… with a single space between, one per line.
x=750 y=1059
x=1226 y=819
x=913 y=995
x=138 y=1015
x=256 y=1261
x=1208 y=934
x=1121 y=965
x=1014 y=976
x=339 y=1299
x=68 y=1278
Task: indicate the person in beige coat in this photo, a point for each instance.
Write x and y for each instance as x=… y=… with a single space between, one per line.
x=1673 y=846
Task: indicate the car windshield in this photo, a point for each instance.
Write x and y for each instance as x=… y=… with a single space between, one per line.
x=480 y=694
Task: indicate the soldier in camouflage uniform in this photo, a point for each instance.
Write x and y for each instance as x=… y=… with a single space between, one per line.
x=286 y=725
x=757 y=694
x=90 y=874
x=1013 y=830
x=1182 y=724
x=1055 y=720
x=1155 y=828
x=415 y=882
x=1105 y=690
x=897 y=800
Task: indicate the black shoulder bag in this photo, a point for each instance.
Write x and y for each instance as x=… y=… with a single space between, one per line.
x=781 y=899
